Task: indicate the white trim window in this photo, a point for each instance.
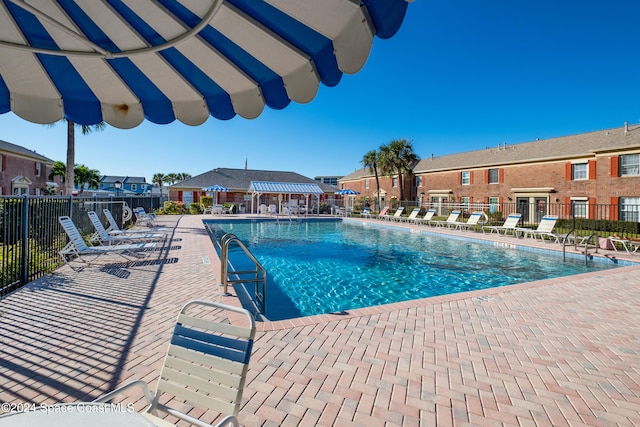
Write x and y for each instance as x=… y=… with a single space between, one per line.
x=580 y=171
x=465 y=178
x=580 y=207
x=630 y=209
x=630 y=165
x=419 y=181
x=494 y=176
x=134 y=187
x=366 y=183
x=394 y=182
x=38 y=169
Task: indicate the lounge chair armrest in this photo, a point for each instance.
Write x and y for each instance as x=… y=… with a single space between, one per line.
x=229 y=420
x=139 y=383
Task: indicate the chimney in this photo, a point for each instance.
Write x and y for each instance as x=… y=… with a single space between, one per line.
x=626 y=127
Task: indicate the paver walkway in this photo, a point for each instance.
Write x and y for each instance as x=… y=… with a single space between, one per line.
x=551 y=353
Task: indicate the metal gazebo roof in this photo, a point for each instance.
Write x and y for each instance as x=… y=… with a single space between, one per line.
x=284 y=188
x=123 y=61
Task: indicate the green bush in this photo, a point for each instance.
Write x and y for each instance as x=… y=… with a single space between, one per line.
x=196 y=209
x=172 y=208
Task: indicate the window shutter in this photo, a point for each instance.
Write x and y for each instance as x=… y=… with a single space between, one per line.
x=592 y=207
x=567 y=171
x=486 y=201
x=592 y=169
x=613 y=208
x=179 y=195
x=500 y=175
x=567 y=206
x=615 y=165
x=470 y=177
x=196 y=196
x=460 y=178
x=486 y=176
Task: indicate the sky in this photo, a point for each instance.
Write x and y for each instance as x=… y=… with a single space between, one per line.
x=460 y=75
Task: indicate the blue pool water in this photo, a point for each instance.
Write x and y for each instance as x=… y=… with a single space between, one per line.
x=332 y=266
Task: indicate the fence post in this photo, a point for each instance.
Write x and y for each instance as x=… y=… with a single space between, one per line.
x=71 y=206
x=24 y=272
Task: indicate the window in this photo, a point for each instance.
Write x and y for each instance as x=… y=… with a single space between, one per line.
x=630 y=165
x=394 y=182
x=579 y=171
x=464 y=203
x=418 y=181
x=494 y=176
x=134 y=187
x=38 y=168
x=466 y=178
x=630 y=209
x=580 y=208
x=366 y=183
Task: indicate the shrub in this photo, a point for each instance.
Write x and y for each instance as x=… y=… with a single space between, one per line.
x=196 y=208
x=172 y=208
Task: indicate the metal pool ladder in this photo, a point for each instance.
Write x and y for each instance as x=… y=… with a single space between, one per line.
x=259 y=273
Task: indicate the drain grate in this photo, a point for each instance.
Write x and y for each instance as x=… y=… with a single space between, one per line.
x=483 y=298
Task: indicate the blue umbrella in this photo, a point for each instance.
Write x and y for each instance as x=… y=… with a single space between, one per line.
x=347 y=192
x=215 y=189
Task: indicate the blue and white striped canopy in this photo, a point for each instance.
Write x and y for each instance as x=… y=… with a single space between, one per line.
x=123 y=61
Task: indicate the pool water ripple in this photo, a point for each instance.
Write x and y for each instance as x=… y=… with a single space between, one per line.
x=324 y=267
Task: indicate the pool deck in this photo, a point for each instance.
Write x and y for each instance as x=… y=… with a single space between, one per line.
x=558 y=352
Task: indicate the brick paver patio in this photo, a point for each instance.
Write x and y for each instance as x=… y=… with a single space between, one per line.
x=550 y=353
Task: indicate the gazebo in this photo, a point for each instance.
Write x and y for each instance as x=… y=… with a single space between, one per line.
x=283 y=190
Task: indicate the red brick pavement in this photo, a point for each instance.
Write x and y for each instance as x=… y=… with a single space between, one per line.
x=551 y=353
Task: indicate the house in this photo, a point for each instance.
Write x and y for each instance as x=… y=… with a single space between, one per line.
x=25 y=172
x=241 y=191
x=129 y=185
x=364 y=182
x=595 y=175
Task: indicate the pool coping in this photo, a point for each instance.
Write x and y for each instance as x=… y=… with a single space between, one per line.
x=481 y=294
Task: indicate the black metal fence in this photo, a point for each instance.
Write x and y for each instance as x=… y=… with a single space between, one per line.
x=31 y=236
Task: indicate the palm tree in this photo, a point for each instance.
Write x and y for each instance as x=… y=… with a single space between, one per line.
x=58 y=169
x=158 y=179
x=183 y=176
x=370 y=161
x=171 y=178
x=71 y=150
x=86 y=177
x=397 y=157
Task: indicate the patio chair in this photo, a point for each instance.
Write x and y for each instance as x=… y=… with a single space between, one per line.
x=101 y=236
x=629 y=245
x=510 y=225
x=472 y=221
x=77 y=246
x=545 y=229
x=396 y=216
x=451 y=221
x=412 y=216
x=206 y=364
x=427 y=218
x=115 y=230
x=144 y=218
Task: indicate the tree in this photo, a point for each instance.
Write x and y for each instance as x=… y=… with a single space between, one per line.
x=71 y=150
x=370 y=161
x=58 y=169
x=157 y=180
x=171 y=178
x=397 y=157
x=183 y=176
x=86 y=177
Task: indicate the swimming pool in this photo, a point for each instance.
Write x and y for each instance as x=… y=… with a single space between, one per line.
x=316 y=267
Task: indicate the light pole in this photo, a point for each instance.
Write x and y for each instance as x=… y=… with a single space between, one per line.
x=117 y=184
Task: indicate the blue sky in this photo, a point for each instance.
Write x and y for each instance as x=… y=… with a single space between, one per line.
x=459 y=76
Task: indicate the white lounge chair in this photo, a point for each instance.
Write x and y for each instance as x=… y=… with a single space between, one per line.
x=472 y=221
x=629 y=245
x=206 y=365
x=144 y=218
x=509 y=226
x=115 y=230
x=412 y=216
x=396 y=216
x=77 y=246
x=449 y=222
x=545 y=229
x=427 y=218
x=101 y=236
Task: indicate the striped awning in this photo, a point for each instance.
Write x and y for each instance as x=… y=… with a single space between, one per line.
x=123 y=61
x=284 y=188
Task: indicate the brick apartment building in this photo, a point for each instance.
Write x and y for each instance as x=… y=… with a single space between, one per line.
x=23 y=171
x=583 y=171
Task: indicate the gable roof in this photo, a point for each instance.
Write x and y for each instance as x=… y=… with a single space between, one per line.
x=22 y=151
x=567 y=147
x=240 y=179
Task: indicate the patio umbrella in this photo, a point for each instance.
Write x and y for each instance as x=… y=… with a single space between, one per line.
x=347 y=192
x=215 y=189
x=121 y=61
